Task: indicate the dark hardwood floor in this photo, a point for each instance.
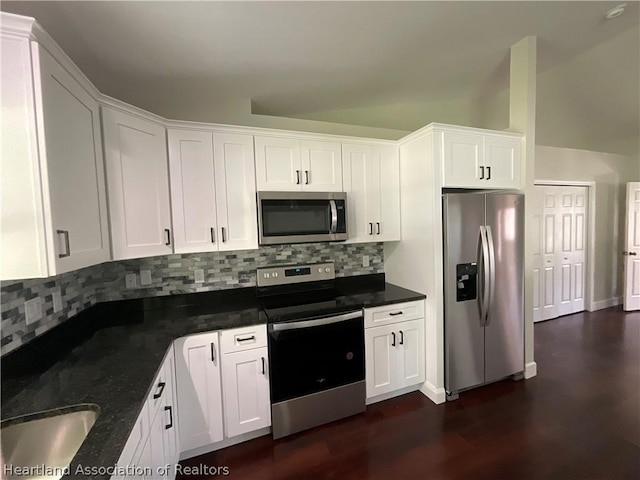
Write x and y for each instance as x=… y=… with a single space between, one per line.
x=578 y=419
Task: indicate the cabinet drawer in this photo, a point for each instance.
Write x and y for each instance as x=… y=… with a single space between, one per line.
x=245 y=338
x=397 y=312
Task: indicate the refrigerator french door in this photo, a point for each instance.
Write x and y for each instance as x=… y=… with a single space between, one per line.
x=484 y=288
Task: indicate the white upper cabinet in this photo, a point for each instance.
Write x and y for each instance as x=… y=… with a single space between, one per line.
x=478 y=160
x=193 y=198
x=321 y=165
x=138 y=184
x=235 y=191
x=290 y=165
x=213 y=195
x=371 y=178
x=54 y=213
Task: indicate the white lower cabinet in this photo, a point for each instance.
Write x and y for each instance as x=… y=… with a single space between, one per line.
x=230 y=365
x=152 y=444
x=199 y=390
x=395 y=356
x=245 y=379
x=245 y=383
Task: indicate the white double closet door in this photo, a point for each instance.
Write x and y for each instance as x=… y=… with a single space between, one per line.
x=560 y=217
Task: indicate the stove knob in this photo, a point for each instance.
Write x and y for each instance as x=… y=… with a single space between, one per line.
x=274 y=274
x=266 y=275
x=320 y=270
x=327 y=269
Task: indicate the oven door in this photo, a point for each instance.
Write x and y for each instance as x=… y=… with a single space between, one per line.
x=299 y=217
x=314 y=355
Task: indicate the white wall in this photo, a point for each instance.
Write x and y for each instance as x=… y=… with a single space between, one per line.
x=610 y=173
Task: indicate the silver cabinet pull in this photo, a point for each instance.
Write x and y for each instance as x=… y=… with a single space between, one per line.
x=67 y=246
x=297 y=177
x=377 y=228
x=224 y=235
x=168 y=234
x=213 y=235
x=306 y=173
x=370 y=228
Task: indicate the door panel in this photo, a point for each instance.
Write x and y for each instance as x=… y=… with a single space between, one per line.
x=138 y=182
x=564 y=210
x=632 y=248
x=381 y=364
x=278 y=164
x=75 y=168
x=537 y=230
x=463 y=156
x=247 y=404
x=199 y=390
x=235 y=192
x=464 y=335
x=504 y=333
x=193 y=196
x=321 y=165
x=410 y=345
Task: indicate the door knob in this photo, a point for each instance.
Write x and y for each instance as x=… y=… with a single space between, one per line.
x=632 y=254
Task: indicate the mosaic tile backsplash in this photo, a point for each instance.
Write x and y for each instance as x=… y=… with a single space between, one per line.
x=170 y=275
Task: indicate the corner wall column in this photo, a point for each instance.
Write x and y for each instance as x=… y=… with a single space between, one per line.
x=522 y=118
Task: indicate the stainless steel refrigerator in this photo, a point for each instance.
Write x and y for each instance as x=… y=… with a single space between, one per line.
x=483 y=283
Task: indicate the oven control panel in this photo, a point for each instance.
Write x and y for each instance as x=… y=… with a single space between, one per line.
x=288 y=274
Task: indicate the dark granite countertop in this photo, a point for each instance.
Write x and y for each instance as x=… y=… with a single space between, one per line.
x=109 y=354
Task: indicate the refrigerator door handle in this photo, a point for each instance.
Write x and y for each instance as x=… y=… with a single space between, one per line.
x=492 y=274
x=483 y=270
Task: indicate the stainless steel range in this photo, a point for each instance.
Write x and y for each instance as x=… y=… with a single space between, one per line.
x=316 y=348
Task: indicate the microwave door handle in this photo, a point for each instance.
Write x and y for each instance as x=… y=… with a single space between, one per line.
x=334 y=216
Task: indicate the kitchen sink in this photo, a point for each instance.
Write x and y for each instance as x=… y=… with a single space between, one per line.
x=41 y=445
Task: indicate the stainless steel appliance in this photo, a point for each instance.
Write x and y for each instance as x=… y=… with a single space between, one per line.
x=483 y=278
x=299 y=217
x=316 y=348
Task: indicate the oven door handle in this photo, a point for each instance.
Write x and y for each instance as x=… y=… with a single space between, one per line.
x=277 y=327
x=334 y=216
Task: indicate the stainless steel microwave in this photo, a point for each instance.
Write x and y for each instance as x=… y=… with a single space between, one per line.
x=300 y=217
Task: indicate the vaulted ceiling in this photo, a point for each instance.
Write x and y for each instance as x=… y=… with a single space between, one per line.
x=181 y=59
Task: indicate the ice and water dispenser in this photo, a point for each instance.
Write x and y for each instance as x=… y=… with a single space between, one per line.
x=466 y=279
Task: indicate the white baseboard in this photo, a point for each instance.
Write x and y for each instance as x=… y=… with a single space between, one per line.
x=530 y=370
x=227 y=442
x=606 y=303
x=436 y=395
x=395 y=393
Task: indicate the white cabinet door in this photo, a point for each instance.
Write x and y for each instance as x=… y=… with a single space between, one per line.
x=278 y=165
x=156 y=445
x=199 y=390
x=193 y=196
x=502 y=161
x=357 y=164
x=371 y=179
x=138 y=185
x=70 y=148
x=235 y=192
x=381 y=360
x=245 y=382
x=388 y=221
x=411 y=354
x=321 y=165
x=463 y=157
x=169 y=412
